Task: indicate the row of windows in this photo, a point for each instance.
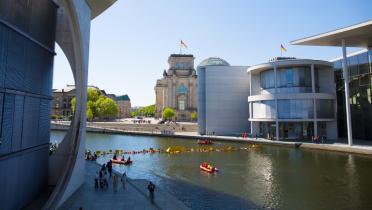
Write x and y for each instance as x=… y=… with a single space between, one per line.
x=292 y=109
x=360 y=72
x=357 y=65
x=289 y=77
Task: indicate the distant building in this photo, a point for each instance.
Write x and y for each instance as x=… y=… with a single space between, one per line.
x=178 y=87
x=61 y=104
x=222 y=98
x=124 y=106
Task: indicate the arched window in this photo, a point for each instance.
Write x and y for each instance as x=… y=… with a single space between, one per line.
x=182 y=89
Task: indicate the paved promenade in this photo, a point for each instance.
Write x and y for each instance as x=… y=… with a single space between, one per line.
x=135 y=196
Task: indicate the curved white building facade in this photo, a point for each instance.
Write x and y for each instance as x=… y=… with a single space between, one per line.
x=292 y=99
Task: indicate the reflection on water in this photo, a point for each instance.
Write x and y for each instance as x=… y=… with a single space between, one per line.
x=267 y=177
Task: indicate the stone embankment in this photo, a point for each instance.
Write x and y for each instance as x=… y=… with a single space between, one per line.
x=143 y=127
x=335 y=147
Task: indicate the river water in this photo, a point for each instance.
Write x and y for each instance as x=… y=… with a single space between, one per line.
x=268 y=177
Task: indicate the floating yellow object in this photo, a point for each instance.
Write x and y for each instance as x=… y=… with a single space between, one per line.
x=175 y=149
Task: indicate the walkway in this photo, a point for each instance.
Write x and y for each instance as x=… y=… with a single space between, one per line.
x=135 y=195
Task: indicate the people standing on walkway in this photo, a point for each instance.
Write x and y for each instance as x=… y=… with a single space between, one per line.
x=115 y=183
x=123 y=180
x=103 y=168
x=105 y=182
x=151 y=188
x=96 y=180
x=109 y=167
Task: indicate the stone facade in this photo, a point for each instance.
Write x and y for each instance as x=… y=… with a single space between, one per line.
x=178 y=87
x=124 y=106
x=61 y=104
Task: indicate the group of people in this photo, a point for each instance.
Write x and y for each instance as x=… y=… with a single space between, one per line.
x=167 y=132
x=142 y=121
x=104 y=174
x=318 y=139
x=210 y=133
x=90 y=156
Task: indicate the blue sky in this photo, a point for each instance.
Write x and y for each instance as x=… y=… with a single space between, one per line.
x=130 y=42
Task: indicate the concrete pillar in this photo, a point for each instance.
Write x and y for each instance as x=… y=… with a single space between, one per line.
x=347 y=97
x=369 y=51
x=276 y=106
x=314 y=100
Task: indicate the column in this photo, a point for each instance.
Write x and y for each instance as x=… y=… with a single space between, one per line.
x=314 y=99
x=276 y=106
x=347 y=97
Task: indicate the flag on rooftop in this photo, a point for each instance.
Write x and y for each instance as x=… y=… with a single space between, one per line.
x=282 y=48
x=183 y=45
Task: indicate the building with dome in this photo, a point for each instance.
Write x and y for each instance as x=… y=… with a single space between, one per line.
x=222 y=98
x=178 y=87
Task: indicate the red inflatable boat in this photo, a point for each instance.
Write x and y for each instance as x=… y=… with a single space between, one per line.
x=121 y=161
x=208 y=168
x=205 y=142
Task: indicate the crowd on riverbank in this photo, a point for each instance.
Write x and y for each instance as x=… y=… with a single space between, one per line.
x=106 y=177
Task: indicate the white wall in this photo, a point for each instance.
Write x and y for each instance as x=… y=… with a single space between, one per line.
x=226 y=105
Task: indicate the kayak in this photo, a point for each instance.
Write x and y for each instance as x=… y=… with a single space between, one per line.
x=205 y=142
x=207 y=169
x=121 y=161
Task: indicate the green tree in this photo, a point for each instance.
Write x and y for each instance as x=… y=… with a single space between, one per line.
x=106 y=107
x=134 y=113
x=98 y=105
x=194 y=115
x=89 y=114
x=148 y=111
x=168 y=113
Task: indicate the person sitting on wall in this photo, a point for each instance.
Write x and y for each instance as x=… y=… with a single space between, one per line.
x=114 y=157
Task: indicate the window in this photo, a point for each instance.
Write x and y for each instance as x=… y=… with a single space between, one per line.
x=325 y=108
x=267 y=79
x=264 y=109
x=181 y=105
x=182 y=89
x=295 y=109
x=289 y=77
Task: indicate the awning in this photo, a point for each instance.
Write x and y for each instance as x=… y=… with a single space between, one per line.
x=358 y=35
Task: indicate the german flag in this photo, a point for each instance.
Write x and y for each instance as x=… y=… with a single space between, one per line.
x=183 y=45
x=282 y=48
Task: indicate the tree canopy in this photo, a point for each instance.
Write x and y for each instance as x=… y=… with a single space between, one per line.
x=98 y=105
x=168 y=113
x=194 y=115
x=147 y=111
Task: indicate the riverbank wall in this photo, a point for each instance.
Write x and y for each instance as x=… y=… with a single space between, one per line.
x=334 y=147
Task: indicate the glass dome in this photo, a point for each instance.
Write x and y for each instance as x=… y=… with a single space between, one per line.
x=214 y=61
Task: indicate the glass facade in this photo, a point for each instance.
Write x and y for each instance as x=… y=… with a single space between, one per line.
x=295 y=109
x=289 y=80
x=360 y=72
x=264 y=109
x=325 y=109
x=296 y=130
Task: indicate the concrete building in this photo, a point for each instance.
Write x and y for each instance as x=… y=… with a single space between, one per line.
x=124 y=106
x=61 y=104
x=178 y=87
x=222 y=98
x=28 y=32
x=292 y=99
x=353 y=75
